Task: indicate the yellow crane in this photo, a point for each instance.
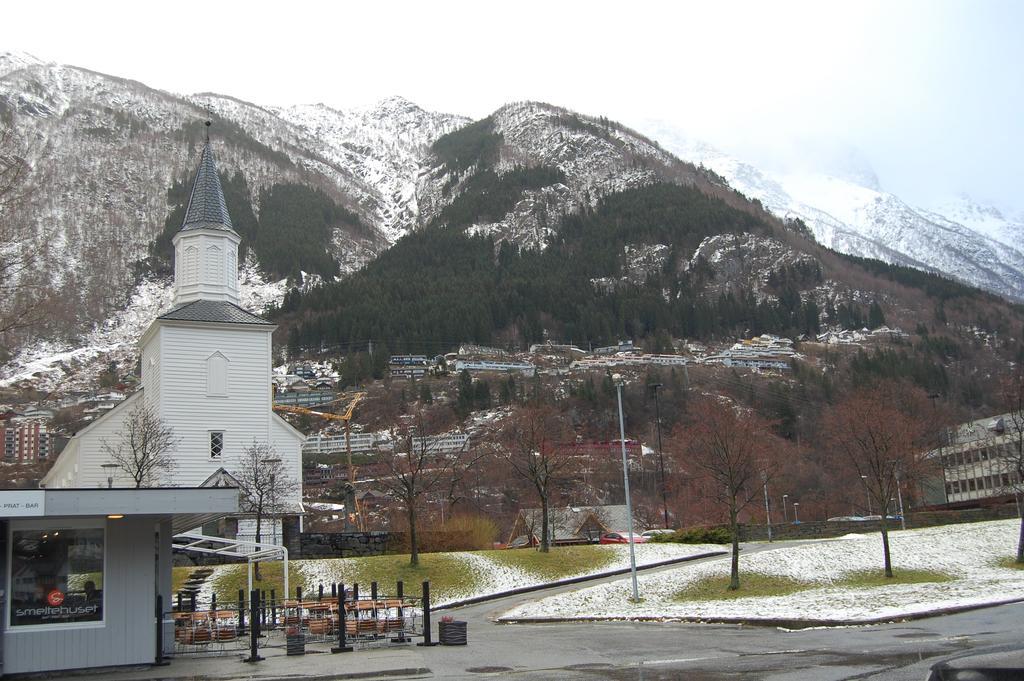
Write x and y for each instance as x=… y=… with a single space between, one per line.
x=353 y=399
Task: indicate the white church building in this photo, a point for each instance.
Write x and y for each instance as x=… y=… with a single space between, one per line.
x=206 y=369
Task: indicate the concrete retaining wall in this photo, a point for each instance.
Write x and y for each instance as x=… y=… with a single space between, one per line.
x=347 y=544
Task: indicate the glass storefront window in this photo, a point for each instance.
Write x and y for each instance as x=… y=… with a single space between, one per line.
x=56 y=576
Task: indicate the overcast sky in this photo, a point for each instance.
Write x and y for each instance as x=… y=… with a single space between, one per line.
x=931 y=93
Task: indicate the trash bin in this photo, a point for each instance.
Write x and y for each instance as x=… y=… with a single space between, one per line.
x=295 y=641
x=451 y=633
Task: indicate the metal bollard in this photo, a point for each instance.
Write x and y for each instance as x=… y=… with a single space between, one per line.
x=213 y=602
x=342 y=646
x=273 y=608
x=355 y=593
x=320 y=593
x=241 y=612
x=334 y=591
x=263 y=610
x=298 y=594
x=400 y=589
x=159 y=660
x=254 y=627
x=427 y=639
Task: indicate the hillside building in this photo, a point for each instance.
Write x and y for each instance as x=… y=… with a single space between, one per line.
x=978 y=461
x=26 y=442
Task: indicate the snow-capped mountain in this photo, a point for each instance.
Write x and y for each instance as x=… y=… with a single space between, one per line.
x=852 y=214
x=986 y=220
x=104 y=151
x=596 y=156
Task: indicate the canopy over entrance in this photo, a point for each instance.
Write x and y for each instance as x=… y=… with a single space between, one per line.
x=251 y=551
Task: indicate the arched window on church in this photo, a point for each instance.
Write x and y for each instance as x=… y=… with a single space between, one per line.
x=217 y=375
x=191 y=265
x=214 y=265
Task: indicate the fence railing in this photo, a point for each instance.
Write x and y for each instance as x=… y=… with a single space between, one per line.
x=341 y=616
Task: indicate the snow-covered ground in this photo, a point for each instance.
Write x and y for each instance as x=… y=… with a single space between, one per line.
x=968 y=553
x=493 y=577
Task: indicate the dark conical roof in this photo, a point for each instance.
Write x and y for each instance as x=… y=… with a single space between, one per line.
x=206 y=207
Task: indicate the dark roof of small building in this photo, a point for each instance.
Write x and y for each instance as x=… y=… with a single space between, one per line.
x=213 y=311
x=206 y=206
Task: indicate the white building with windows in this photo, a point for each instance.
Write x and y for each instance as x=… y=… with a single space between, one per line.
x=206 y=367
x=979 y=460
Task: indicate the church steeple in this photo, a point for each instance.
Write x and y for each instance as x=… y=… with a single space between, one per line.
x=206 y=206
x=206 y=247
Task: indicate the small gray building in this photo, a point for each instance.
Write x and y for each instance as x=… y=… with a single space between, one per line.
x=81 y=569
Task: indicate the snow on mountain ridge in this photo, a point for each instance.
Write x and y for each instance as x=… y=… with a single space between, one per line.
x=868 y=222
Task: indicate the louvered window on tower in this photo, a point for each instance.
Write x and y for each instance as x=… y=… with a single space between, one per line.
x=191 y=265
x=214 y=265
x=216 y=444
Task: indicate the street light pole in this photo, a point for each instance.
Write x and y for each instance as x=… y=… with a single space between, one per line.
x=617 y=379
x=899 y=497
x=110 y=473
x=767 y=508
x=785 y=511
x=867 y=492
x=661 y=456
x=796 y=512
x=273 y=501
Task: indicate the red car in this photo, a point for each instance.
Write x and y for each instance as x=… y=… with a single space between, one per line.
x=621 y=538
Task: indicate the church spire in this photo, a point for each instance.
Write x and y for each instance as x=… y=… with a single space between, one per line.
x=206 y=206
x=206 y=246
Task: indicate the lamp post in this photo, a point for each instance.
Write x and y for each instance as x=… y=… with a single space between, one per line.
x=273 y=493
x=867 y=492
x=617 y=380
x=796 y=512
x=785 y=511
x=661 y=456
x=109 y=467
x=767 y=508
x=899 y=497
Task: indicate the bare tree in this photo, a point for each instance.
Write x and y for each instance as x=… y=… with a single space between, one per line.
x=532 y=443
x=264 y=484
x=1011 y=463
x=880 y=432
x=416 y=468
x=144 y=446
x=737 y=451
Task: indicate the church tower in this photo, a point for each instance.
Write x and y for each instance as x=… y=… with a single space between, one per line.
x=206 y=247
x=206 y=365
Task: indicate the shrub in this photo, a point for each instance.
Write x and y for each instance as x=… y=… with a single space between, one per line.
x=460 y=533
x=695 y=535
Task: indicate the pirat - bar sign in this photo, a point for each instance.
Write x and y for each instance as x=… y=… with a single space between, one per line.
x=22 y=503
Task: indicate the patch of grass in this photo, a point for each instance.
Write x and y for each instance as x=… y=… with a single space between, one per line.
x=447 y=575
x=559 y=563
x=1010 y=563
x=758 y=585
x=751 y=585
x=179 y=575
x=869 y=578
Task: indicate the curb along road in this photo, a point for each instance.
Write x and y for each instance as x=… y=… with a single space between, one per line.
x=573 y=580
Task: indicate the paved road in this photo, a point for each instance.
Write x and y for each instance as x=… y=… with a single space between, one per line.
x=701 y=652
